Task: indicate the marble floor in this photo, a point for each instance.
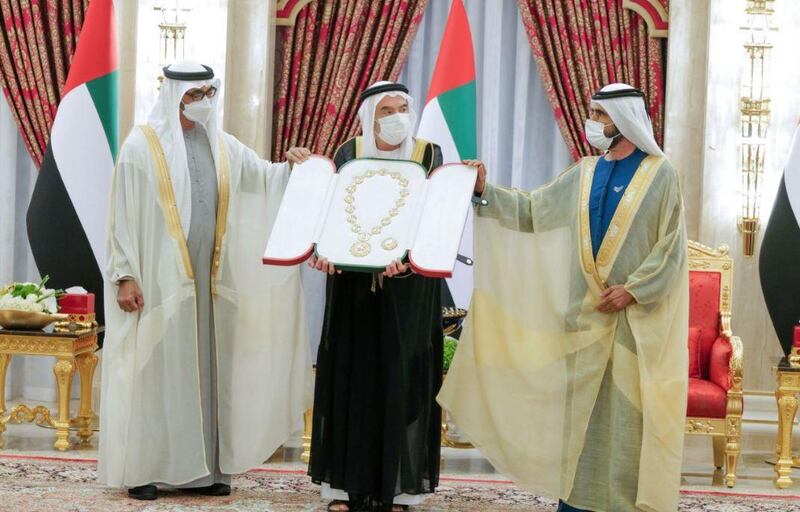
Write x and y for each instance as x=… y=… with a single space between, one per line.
x=754 y=475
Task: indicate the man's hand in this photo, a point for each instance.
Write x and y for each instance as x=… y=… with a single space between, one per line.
x=297 y=156
x=323 y=265
x=129 y=296
x=480 y=183
x=615 y=298
x=395 y=268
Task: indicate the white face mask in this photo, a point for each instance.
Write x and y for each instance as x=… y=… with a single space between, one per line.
x=198 y=111
x=394 y=128
x=595 y=134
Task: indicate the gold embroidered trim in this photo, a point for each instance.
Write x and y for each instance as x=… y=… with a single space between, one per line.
x=585 y=239
x=626 y=211
x=341 y=146
x=419 y=151
x=222 y=210
x=417 y=154
x=620 y=222
x=167 y=195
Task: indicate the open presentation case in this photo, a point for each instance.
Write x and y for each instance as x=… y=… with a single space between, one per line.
x=371 y=212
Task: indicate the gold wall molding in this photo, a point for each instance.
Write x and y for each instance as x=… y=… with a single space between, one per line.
x=286 y=11
x=655 y=14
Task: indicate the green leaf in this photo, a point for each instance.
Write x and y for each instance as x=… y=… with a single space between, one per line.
x=450 y=346
x=23 y=290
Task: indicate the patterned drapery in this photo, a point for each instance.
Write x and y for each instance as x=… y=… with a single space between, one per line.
x=334 y=51
x=37 y=41
x=583 y=45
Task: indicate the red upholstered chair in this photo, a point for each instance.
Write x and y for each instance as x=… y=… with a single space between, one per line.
x=715 y=357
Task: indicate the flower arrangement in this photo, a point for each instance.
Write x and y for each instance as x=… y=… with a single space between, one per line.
x=30 y=297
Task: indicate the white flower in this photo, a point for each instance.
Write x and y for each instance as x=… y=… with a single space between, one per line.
x=50 y=304
x=32 y=302
x=18 y=303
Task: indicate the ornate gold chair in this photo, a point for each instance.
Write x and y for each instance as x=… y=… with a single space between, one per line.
x=715 y=357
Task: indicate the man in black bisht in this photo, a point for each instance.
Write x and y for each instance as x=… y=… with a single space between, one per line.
x=376 y=430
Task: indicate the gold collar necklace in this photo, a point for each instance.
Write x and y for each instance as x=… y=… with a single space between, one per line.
x=362 y=246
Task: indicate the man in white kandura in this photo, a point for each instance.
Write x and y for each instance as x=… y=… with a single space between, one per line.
x=206 y=367
x=571 y=374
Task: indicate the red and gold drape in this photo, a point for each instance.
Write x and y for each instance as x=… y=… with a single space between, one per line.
x=37 y=41
x=583 y=45
x=334 y=51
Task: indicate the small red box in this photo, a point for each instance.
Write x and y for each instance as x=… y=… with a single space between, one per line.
x=796 y=340
x=76 y=304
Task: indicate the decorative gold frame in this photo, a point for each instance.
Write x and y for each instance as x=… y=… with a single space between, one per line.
x=726 y=432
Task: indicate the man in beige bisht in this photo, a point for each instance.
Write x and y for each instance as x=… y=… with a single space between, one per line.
x=571 y=375
x=206 y=367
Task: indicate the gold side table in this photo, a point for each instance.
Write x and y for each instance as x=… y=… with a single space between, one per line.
x=72 y=350
x=786 y=395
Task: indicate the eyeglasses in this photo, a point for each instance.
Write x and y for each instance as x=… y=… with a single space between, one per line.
x=597 y=114
x=198 y=94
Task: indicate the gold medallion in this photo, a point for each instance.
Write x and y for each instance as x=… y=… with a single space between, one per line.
x=360 y=249
x=389 y=244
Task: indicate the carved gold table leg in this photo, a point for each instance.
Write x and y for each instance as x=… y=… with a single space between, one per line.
x=63 y=370
x=787 y=409
x=5 y=360
x=87 y=363
x=779 y=439
x=308 y=419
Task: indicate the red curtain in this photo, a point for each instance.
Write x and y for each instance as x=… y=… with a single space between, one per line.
x=583 y=45
x=335 y=50
x=37 y=41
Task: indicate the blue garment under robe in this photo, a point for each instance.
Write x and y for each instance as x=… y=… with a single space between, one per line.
x=611 y=178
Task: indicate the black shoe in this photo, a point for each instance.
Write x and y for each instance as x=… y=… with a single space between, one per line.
x=211 y=490
x=143 y=492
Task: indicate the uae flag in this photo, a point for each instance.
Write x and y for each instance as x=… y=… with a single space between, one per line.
x=780 y=252
x=68 y=215
x=449 y=120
